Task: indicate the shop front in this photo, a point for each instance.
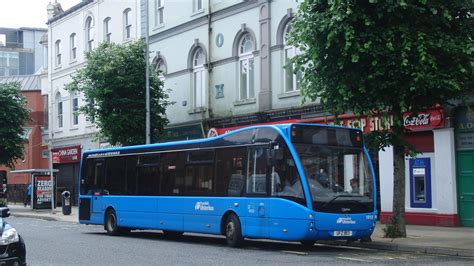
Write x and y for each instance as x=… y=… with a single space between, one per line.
x=67 y=161
x=464 y=128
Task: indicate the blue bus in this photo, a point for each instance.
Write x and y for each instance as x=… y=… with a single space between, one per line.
x=292 y=182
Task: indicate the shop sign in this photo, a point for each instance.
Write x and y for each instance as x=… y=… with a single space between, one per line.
x=427 y=120
x=70 y=154
x=214 y=132
x=465 y=141
x=465 y=119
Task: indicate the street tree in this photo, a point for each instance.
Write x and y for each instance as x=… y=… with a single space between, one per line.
x=14 y=114
x=384 y=58
x=113 y=84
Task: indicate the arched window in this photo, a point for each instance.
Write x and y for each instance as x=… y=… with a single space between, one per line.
x=107 y=32
x=127 y=24
x=160 y=68
x=199 y=84
x=59 y=110
x=75 y=108
x=89 y=34
x=73 y=47
x=57 y=52
x=292 y=80
x=246 y=67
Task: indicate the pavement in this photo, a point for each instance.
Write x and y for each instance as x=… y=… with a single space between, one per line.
x=452 y=241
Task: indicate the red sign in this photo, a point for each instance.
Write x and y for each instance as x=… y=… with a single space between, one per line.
x=214 y=132
x=70 y=154
x=428 y=120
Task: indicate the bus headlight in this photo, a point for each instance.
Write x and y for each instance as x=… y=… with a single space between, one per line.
x=9 y=236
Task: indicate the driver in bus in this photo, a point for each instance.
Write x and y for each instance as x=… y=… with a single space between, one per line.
x=355 y=185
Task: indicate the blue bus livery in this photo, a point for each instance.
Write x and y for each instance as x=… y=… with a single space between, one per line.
x=293 y=182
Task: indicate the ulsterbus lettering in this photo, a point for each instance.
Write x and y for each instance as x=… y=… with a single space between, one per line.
x=203 y=206
x=345 y=220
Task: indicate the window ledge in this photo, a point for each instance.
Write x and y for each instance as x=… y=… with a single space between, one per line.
x=73 y=61
x=162 y=25
x=244 y=102
x=57 y=67
x=58 y=131
x=289 y=94
x=74 y=128
x=198 y=12
x=125 y=41
x=197 y=110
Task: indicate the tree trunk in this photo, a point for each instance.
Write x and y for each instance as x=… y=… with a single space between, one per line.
x=397 y=225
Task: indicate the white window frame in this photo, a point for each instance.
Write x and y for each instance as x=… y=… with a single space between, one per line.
x=197 y=6
x=199 y=87
x=74 y=109
x=127 y=25
x=73 y=47
x=293 y=51
x=107 y=32
x=57 y=53
x=159 y=12
x=246 y=58
x=89 y=33
x=59 y=111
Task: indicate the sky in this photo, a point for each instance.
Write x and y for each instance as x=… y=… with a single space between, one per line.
x=28 y=13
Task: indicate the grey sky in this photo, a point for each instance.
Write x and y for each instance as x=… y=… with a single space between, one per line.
x=28 y=13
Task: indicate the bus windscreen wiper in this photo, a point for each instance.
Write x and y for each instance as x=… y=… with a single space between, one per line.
x=340 y=196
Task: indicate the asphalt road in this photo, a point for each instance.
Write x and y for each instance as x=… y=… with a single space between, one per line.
x=63 y=243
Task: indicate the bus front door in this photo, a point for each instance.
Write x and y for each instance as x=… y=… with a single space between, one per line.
x=256 y=192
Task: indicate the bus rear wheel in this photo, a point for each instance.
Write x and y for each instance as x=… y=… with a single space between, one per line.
x=111 y=224
x=233 y=231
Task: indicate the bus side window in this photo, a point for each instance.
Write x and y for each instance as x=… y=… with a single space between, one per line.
x=229 y=173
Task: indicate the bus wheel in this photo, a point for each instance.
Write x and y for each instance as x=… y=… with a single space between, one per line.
x=233 y=231
x=172 y=234
x=111 y=223
x=307 y=243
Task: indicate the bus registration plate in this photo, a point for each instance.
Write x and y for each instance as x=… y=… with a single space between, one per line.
x=343 y=233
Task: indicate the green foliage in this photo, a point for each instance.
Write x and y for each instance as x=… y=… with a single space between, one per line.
x=13 y=116
x=113 y=83
x=377 y=56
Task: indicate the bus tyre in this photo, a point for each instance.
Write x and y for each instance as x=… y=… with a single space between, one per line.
x=233 y=231
x=307 y=243
x=111 y=223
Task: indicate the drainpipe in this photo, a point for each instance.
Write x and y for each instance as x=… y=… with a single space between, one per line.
x=209 y=45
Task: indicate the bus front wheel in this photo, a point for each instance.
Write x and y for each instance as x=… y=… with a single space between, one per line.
x=233 y=231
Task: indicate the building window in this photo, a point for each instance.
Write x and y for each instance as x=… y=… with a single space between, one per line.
x=246 y=67
x=127 y=25
x=198 y=78
x=160 y=68
x=292 y=80
x=107 y=32
x=89 y=34
x=159 y=8
x=57 y=47
x=72 y=40
x=3 y=40
x=59 y=111
x=75 y=108
x=197 y=5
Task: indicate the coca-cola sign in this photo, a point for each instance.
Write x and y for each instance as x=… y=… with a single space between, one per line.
x=425 y=120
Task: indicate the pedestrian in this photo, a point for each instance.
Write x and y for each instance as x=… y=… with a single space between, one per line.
x=29 y=190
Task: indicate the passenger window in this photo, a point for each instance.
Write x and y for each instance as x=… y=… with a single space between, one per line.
x=199 y=173
x=230 y=166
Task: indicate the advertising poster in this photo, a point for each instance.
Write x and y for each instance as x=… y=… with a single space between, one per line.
x=42 y=192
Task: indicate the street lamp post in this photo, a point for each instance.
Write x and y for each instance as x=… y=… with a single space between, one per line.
x=147 y=81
